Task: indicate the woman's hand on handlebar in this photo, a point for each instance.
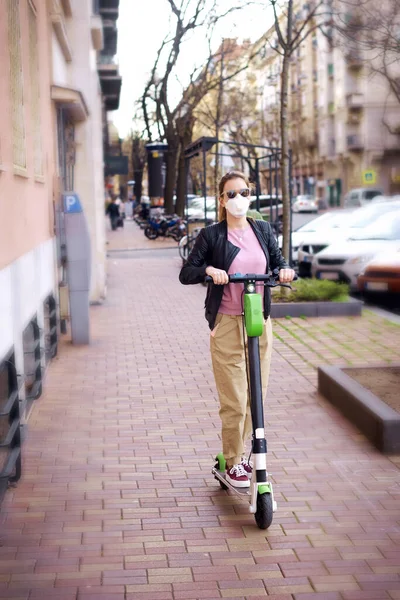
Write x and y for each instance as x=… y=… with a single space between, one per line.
x=286 y=275
x=219 y=276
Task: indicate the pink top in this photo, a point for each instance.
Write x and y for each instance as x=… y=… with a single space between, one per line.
x=250 y=259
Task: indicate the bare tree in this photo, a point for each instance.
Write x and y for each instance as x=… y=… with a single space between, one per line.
x=172 y=122
x=138 y=157
x=291 y=31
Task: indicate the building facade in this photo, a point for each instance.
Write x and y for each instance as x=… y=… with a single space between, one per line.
x=28 y=281
x=54 y=106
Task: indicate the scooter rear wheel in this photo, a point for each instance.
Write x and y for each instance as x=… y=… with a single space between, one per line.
x=264 y=513
x=223 y=486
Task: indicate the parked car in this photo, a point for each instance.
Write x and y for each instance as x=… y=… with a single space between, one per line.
x=305 y=204
x=196 y=210
x=341 y=226
x=306 y=232
x=315 y=239
x=344 y=260
x=381 y=274
x=265 y=205
x=360 y=197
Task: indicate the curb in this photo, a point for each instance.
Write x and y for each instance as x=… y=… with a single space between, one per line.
x=375 y=419
x=351 y=308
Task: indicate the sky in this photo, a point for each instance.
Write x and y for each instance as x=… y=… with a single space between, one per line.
x=143 y=24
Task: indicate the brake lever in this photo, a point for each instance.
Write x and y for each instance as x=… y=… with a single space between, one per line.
x=286 y=285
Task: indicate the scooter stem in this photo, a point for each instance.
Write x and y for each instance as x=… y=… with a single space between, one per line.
x=257 y=410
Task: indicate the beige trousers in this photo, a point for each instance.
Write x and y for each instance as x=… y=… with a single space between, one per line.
x=229 y=366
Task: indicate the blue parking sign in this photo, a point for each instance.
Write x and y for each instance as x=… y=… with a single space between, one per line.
x=72 y=203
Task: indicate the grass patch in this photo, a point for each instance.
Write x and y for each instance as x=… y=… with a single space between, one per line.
x=313 y=290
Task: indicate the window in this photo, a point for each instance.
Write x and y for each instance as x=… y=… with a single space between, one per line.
x=35 y=92
x=16 y=85
x=330 y=69
x=370 y=194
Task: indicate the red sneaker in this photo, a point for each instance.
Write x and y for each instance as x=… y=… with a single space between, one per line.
x=237 y=476
x=247 y=466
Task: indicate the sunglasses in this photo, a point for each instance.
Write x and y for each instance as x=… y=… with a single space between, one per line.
x=245 y=192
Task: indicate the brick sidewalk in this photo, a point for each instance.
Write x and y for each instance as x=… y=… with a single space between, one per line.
x=117 y=500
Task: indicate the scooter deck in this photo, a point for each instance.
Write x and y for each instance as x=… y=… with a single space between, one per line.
x=222 y=477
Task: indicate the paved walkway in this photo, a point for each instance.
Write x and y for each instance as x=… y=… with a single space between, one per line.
x=117 y=500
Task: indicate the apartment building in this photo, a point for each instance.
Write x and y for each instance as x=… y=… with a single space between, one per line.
x=353 y=106
x=339 y=113
x=54 y=100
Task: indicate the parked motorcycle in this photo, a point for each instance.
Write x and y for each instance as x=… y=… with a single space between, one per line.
x=172 y=226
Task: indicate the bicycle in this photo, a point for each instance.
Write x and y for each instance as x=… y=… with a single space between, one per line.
x=186 y=244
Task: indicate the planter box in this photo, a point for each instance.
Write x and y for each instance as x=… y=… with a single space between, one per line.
x=376 y=420
x=351 y=308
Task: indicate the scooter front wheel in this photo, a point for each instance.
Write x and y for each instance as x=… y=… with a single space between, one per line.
x=264 y=513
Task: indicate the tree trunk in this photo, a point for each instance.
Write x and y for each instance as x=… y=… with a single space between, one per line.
x=137 y=188
x=285 y=136
x=181 y=185
x=218 y=126
x=285 y=159
x=170 y=178
x=185 y=139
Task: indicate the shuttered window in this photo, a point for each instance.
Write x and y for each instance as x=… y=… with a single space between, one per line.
x=16 y=84
x=35 y=91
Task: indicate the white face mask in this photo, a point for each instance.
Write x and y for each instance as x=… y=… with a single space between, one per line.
x=238 y=206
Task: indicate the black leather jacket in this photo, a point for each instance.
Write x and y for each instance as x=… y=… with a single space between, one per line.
x=212 y=248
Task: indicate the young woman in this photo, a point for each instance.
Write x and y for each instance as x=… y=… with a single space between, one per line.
x=234 y=245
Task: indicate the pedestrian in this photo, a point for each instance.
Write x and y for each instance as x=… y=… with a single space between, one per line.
x=113 y=212
x=122 y=214
x=236 y=244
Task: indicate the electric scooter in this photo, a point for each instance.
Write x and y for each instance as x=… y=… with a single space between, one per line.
x=260 y=493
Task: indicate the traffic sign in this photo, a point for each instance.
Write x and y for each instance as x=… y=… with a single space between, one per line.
x=72 y=203
x=369 y=176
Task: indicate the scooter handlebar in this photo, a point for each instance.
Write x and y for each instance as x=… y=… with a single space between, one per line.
x=269 y=280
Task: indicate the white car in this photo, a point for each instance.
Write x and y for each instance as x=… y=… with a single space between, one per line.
x=361 y=197
x=305 y=204
x=345 y=260
x=196 y=212
x=307 y=232
x=265 y=205
x=341 y=226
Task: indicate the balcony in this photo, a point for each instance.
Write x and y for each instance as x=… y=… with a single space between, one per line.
x=107 y=65
x=110 y=35
x=354 y=58
x=311 y=139
x=355 y=100
x=109 y=9
x=354 y=142
x=354 y=118
x=111 y=90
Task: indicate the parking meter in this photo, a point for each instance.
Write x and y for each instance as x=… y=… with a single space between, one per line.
x=78 y=261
